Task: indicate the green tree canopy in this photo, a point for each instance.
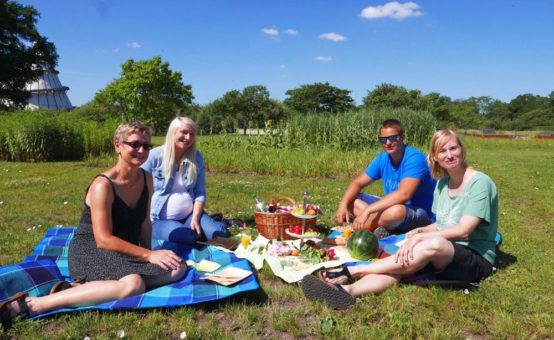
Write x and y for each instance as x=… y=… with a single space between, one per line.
x=147 y=90
x=389 y=95
x=249 y=108
x=23 y=52
x=319 y=98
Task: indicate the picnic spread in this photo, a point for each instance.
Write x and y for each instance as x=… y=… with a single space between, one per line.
x=287 y=241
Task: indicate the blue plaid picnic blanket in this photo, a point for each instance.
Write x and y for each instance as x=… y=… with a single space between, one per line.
x=192 y=289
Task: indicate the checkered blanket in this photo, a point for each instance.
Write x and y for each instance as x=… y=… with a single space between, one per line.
x=192 y=289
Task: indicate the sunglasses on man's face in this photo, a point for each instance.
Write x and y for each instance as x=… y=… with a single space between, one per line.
x=137 y=145
x=391 y=139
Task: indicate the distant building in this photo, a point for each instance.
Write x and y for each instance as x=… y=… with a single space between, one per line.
x=47 y=92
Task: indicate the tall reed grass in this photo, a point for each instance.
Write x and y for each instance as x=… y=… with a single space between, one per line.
x=52 y=136
x=354 y=130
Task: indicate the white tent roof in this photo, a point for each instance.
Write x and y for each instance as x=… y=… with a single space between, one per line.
x=47 y=92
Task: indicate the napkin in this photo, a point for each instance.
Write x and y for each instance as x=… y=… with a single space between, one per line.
x=228 y=276
x=204 y=265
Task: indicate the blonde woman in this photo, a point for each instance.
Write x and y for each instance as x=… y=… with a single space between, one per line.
x=459 y=246
x=177 y=168
x=111 y=251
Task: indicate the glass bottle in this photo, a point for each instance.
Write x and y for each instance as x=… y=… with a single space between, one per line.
x=259 y=205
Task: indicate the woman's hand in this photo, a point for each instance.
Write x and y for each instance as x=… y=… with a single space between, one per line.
x=195 y=225
x=166 y=259
x=414 y=232
x=406 y=252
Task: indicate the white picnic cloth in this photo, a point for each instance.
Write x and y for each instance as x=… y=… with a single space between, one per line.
x=289 y=268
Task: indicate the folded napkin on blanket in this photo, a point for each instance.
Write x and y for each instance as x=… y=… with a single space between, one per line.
x=228 y=276
x=192 y=289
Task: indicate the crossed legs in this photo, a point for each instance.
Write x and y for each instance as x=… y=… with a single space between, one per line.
x=389 y=218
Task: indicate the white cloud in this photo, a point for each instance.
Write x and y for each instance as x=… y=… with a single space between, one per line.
x=393 y=10
x=115 y=50
x=323 y=58
x=333 y=36
x=134 y=44
x=270 y=31
x=290 y=31
x=282 y=66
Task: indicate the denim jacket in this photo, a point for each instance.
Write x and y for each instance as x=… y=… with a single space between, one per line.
x=162 y=186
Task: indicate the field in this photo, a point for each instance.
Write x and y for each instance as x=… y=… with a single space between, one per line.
x=517 y=302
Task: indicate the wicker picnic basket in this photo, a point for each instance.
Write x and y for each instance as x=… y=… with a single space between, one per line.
x=273 y=225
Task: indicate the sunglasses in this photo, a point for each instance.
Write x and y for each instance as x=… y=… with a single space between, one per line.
x=137 y=145
x=391 y=139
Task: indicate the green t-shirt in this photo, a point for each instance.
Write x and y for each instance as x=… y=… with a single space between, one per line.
x=479 y=199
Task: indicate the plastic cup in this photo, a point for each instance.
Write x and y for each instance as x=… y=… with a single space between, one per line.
x=245 y=239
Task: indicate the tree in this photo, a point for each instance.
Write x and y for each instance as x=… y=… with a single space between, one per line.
x=147 y=90
x=249 y=108
x=319 y=98
x=440 y=107
x=465 y=114
x=389 y=95
x=23 y=52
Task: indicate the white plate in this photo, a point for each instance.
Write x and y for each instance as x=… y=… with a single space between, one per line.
x=300 y=236
x=304 y=217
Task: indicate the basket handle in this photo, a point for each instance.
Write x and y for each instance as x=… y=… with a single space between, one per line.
x=284 y=198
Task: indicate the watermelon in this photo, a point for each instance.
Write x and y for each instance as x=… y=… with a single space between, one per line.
x=362 y=245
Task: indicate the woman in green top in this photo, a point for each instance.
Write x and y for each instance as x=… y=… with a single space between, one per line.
x=459 y=246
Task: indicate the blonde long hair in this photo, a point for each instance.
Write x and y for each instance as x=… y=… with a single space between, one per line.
x=189 y=157
x=439 y=139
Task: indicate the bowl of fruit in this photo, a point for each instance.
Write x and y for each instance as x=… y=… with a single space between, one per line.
x=308 y=212
x=296 y=232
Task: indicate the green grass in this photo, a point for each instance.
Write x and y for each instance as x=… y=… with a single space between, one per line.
x=517 y=302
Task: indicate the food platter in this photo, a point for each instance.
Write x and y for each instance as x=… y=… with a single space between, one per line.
x=304 y=217
x=300 y=236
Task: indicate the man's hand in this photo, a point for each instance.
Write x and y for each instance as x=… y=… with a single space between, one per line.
x=360 y=220
x=342 y=215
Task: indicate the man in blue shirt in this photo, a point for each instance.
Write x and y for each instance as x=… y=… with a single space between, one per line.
x=407 y=184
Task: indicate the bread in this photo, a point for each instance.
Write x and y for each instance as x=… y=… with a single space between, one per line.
x=337 y=241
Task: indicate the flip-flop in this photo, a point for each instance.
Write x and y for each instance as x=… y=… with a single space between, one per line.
x=5 y=316
x=336 y=274
x=334 y=295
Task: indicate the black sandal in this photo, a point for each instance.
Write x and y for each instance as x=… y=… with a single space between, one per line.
x=235 y=222
x=5 y=315
x=216 y=216
x=63 y=285
x=334 y=295
x=333 y=275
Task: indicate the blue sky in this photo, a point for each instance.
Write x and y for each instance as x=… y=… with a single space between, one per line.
x=497 y=48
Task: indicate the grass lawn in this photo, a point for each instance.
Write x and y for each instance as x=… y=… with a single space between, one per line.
x=516 y=302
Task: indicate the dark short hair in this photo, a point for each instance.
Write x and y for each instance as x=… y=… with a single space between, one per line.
x=394 y=124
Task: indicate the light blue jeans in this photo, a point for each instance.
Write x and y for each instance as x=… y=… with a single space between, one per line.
x=181 y=231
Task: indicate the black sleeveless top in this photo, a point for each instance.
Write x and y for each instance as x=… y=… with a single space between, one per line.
x=87 y=261
x=126 y=221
